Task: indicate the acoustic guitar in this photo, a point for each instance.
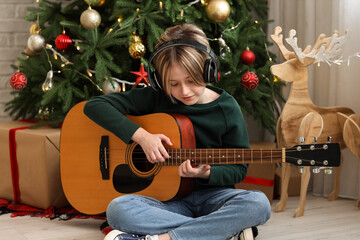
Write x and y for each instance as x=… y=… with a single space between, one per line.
x=96 y=166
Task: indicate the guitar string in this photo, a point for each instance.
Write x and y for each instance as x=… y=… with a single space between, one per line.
x=239 y=149
x=177 y=161
x=139 y=151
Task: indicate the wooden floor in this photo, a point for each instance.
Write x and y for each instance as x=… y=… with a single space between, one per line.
x=339 y=219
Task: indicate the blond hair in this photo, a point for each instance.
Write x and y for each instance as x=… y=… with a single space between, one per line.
x=190 y=58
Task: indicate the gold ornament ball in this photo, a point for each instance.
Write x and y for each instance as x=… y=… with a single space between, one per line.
x=137 y=50
x=217 y=10
x=35 y=29
x=90 y=19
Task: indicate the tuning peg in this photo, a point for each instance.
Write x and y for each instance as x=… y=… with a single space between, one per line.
x=329 y=139
x=316 y=170
x=302 y=170
x=315 y=140
x=301 y=140
x=328 y=171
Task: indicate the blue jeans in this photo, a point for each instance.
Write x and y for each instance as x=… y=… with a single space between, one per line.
x=211 y=214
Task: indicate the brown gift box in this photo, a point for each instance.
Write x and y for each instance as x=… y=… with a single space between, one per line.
x=38 y=167
x=260 y=176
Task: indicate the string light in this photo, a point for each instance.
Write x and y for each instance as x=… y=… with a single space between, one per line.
x=226 y=30
x=89 y=73
x=49 y=47
x=339 y=61
x=187 y=6
x=123 y=82
x=192 y=3
x=265 y=44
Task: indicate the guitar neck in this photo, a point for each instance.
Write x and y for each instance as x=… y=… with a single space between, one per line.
x=224 y=156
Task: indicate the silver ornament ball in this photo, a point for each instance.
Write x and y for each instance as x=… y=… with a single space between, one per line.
x=107 y=87
x=36 y=43
x=90 y=19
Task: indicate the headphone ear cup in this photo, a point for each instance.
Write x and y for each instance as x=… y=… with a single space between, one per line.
x=210 y=71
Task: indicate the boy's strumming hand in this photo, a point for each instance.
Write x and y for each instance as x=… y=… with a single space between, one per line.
x=152 y=145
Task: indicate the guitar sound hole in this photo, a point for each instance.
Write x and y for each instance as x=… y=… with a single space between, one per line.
x=139 y=160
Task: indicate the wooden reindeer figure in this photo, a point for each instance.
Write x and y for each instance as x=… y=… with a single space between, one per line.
x=300 y=117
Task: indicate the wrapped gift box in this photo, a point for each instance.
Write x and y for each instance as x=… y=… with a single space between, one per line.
x=260 y=176
x=29 y=165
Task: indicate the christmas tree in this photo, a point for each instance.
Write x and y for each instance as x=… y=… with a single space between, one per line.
x=90 y=47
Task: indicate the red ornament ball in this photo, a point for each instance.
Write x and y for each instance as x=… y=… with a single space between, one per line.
x=63 y=41
x=18 y=81
x=247 y=57
x=249 y=80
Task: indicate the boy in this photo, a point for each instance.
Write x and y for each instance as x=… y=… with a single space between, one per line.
x=184 y=64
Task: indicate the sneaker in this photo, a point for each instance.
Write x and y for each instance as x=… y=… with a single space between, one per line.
x=118 y=235
x=246 y=234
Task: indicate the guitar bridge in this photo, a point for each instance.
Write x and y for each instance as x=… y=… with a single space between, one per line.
x=104 y=157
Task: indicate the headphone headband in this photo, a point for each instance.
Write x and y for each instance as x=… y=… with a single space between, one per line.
x=179 y=42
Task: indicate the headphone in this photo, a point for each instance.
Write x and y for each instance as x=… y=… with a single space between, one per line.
x=211 y=65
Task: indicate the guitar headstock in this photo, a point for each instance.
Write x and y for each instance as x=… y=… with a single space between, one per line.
x=326 y=155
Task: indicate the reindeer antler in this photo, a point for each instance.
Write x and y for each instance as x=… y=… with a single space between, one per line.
x=277 y=37
x=323 y=51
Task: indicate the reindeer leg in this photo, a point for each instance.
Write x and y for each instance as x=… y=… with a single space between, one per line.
x=336 y=188
x=285 y=172
x=285 y=178
x=311 y=126
x=305 y=178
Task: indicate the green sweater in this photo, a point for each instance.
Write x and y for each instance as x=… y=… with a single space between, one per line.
x=218 y=124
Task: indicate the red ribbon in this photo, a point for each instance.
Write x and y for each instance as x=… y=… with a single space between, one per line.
x=14 y=164
x=259 y=181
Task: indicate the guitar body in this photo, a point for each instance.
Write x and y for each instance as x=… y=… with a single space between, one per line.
x=89 y=190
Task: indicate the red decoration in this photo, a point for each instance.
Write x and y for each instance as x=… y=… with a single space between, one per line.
x=18 y=81
x=63 y=41
x=247 y=57
x=249 y=80
x=141 y=76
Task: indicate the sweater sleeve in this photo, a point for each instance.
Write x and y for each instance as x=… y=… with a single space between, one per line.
x=236 y=136
x=109 y=111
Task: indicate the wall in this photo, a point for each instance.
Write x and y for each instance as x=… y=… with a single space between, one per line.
x=14 y=32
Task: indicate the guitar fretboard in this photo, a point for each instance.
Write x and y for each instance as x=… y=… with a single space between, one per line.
x=224 y=156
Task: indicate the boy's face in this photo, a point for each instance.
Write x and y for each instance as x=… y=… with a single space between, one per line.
x=183 y=88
